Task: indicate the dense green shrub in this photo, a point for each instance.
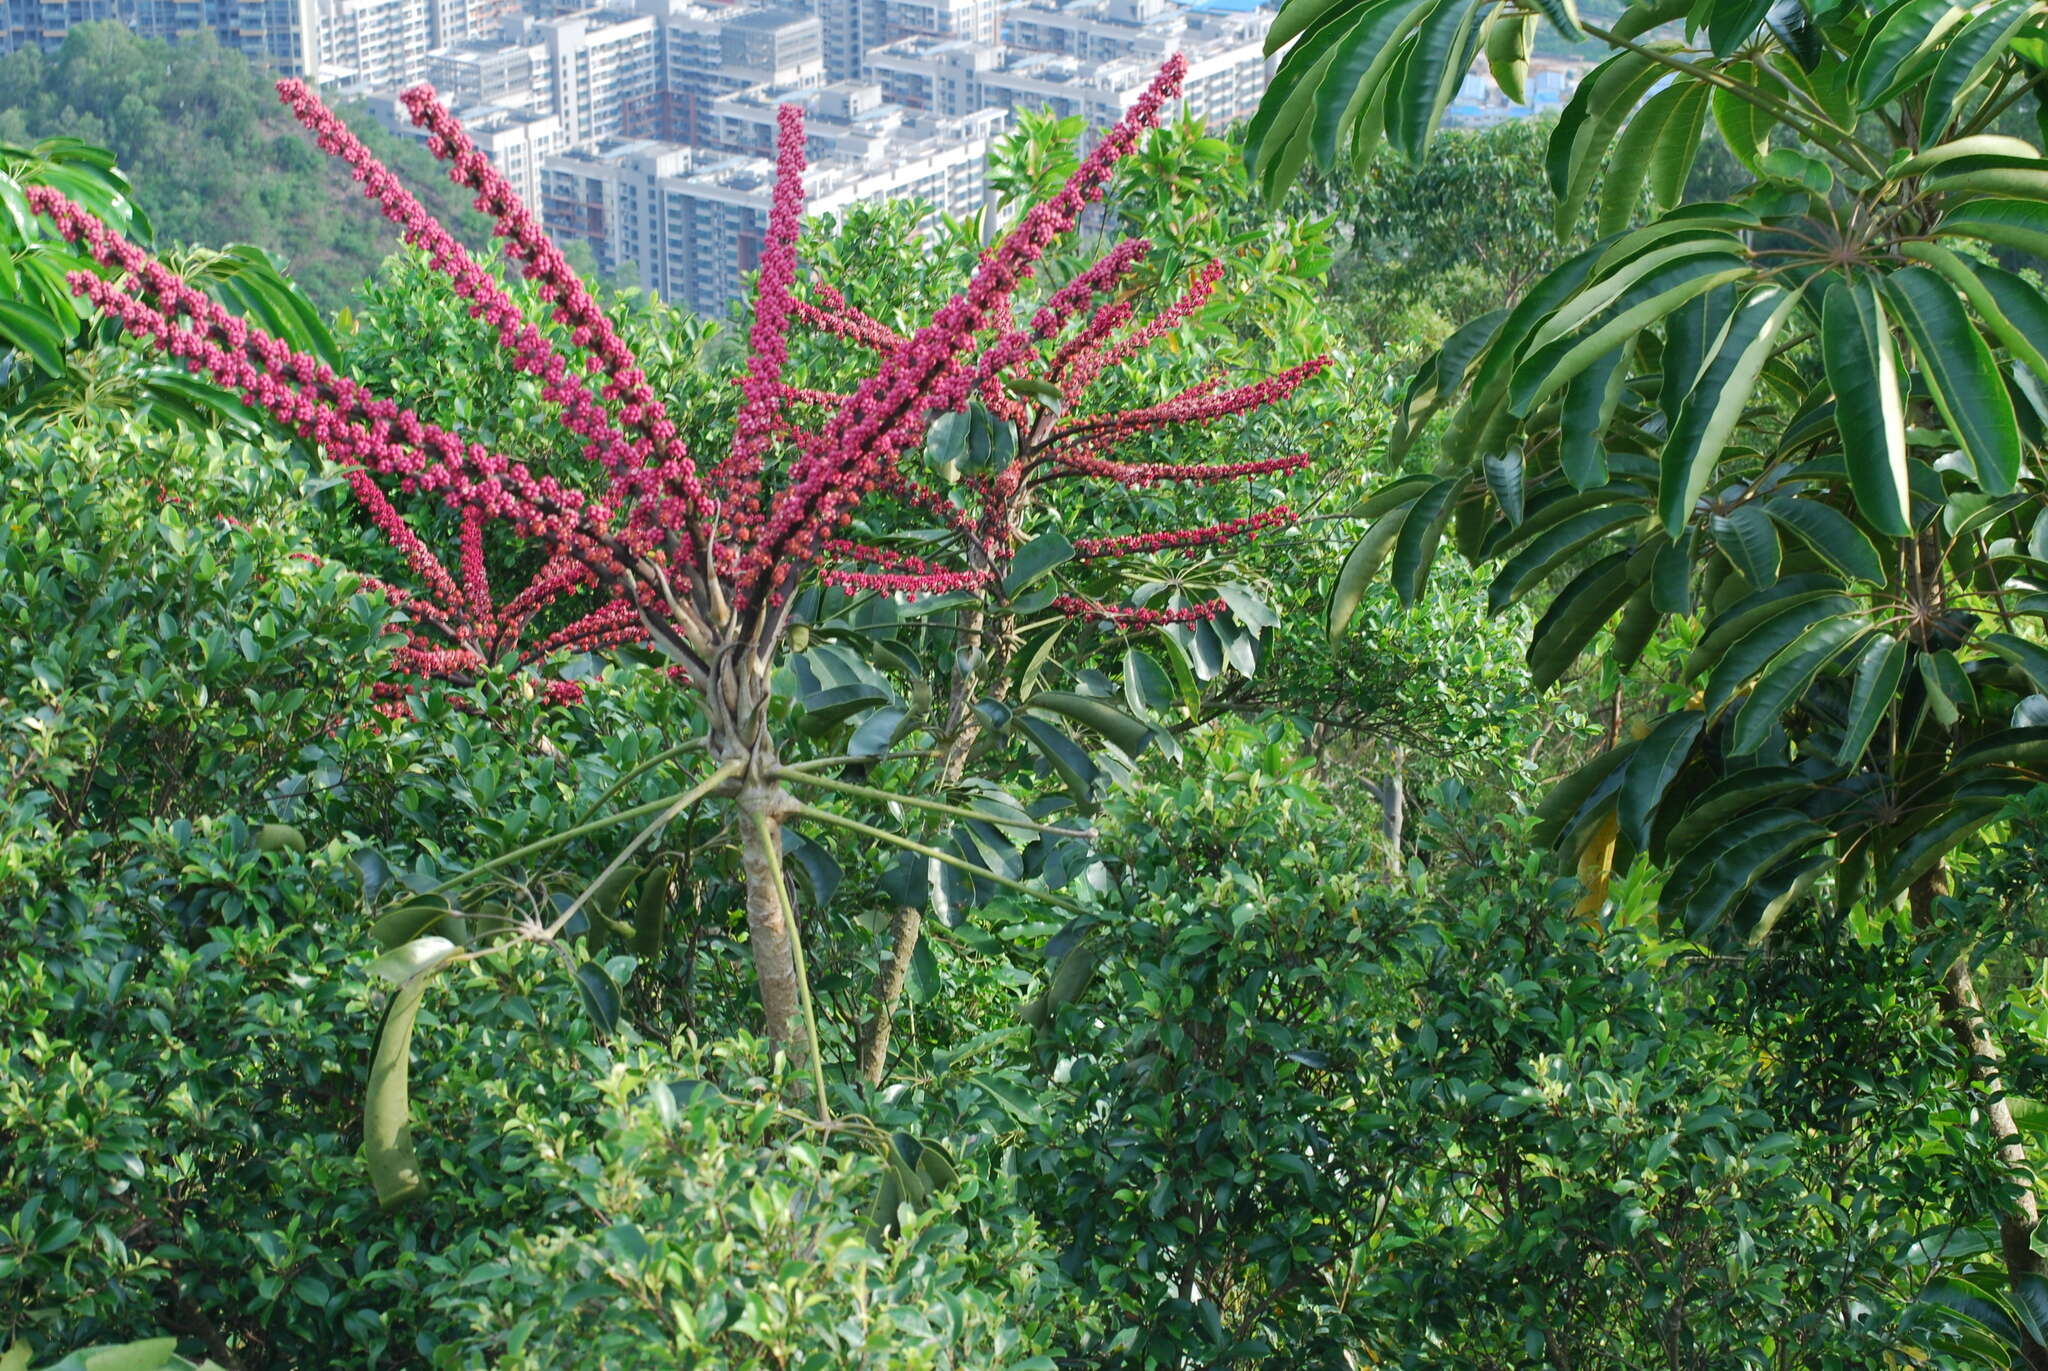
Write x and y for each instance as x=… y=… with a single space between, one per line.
x=709 y=1231
x=181 y=973
x=1301 y=1118
x=1205 y=1148
x=159 y=618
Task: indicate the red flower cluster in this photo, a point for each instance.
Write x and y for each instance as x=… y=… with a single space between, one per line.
x=457 y=630
x=1188 y=540
x=1129 y=617
x=702 y=561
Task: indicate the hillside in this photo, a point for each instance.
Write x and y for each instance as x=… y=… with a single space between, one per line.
x=214 y=158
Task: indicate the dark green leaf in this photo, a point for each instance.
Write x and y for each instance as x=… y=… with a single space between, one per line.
x=1710 y=413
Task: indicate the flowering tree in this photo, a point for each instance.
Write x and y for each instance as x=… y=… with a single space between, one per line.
x=705 y=560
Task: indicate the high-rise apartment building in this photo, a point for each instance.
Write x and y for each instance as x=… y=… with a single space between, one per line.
x=855 y=27
x=689 y=223
x=281 y=35
x=43 y=23
x=462 y=21
x=518 y=141
x=507 y=75
x=707 y=51
x=366 y=45
x=600 y=70
x=1088 y=57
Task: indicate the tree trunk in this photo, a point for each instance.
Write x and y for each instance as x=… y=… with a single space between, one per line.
x=768 y=932
x=905 y=926
x=906 y=922
x=1963 y=1014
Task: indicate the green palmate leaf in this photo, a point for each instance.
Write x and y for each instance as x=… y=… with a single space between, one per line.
x=1297 y=16
x=600 y=996
x=1960 y=372
x=1278 y=136
x=1037 y=557
x=1791 y=25
x=1618 y=85
x=1655 y=762
x=1356 y=76
x=1617 y=275
x=1394 y=494
x=2030 y=658
x=1918 y=854
x=1786 y=680
x=1354 y=578
x=833 y=706
x=1960 y=1297
x=1536 y=306
x=1504 y=479
x=2006 y=304
x=1671 y=575
x=1754 y=650
x=1439 y=378
x=1878 y=673
x=1544 y=554
x=1415 y=547
x=1863 y=369
x=1638 y=623
x=1429 y=73
x=35 y=334
x=387 y=1102
x=1745 y=536
x=1677 y=149
x=1643 y=304
x=1147 y=687
x=1368 y=131
x=1947 y=689
x=1068 y=759
x=1975 y=145
x=2030 y=1302
x=2018 y=176
x=1796 y=168
x=2010 y=223
x=1569 y=797
x=1712 y=876
x=1128 y=734
x=1731 y=24
x=1745 y=129
x=1889 y=55
x=2025 y=748
x=1589 y=404
x=1563 y=16
x=1967 y=59
x=1689 y=337
x=1710 y=413
x=1579 y=612
x=875 y=733
x=1510 y=39
x=1831 y=534
x=650 y=912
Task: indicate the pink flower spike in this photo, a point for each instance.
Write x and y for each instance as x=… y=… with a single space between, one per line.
x=760 y=411
x=1188 y=540
x=1129 y=618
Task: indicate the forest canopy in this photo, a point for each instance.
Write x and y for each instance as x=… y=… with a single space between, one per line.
x=1325 y=744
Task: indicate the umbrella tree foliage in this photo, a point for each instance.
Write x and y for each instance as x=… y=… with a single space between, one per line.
x=713 y=562
x=1799 y=430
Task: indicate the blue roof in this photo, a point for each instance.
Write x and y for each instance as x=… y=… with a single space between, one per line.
x=1222 y=6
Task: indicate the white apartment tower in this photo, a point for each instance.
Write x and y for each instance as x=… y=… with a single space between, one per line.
x=854 y=27
x=282 y=35
x=368 y=45
x=600 y=69
x=689 y=224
